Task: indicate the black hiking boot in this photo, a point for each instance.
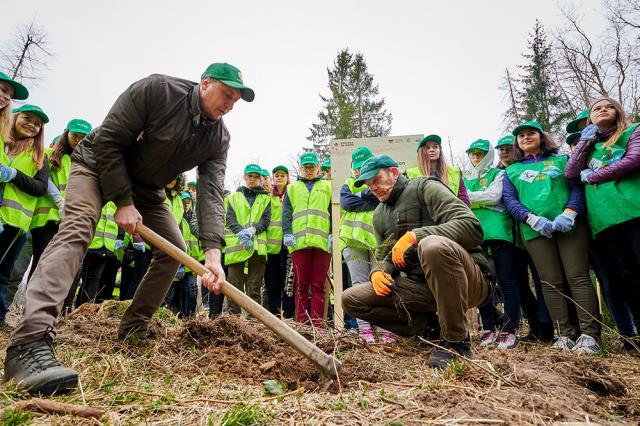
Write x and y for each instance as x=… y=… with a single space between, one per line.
x=35 y=368
x=134 y=335
x=440 y=358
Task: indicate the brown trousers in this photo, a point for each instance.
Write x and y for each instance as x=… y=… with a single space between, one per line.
x=62 y=258
x=256 y=265
x=454 y=284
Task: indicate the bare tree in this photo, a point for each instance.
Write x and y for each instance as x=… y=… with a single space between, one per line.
x=26 y=55
x=624 y=12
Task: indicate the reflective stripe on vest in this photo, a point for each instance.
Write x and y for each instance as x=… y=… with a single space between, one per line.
x=274 y=231
x=46 y=209
x=453 y=177
x=18 y=206
x=107 y=230
x=310 y=216
x=356 y=228
x=245 y=215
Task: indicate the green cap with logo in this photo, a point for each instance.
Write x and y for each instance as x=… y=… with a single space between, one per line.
x=231 y=76
x=434 y=138
x=79 y=126
x=264 y=172
x=281 y=168
x=34 y=109
x=185 y=195
x=326 y=164
x=531 y=124
x=506 y=140
x=359 y=156
x=20 y=92
x=253 y=168
x=572 y=127
x=573 y=138
x=308 y=158
x=372 y=166
x=481 y=144
x=53 y=142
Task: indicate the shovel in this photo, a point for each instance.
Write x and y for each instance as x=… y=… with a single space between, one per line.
x=327 y=363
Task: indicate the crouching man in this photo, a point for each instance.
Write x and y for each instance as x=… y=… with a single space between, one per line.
x=428 y=259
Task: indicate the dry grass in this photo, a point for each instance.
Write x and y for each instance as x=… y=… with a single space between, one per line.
x=211 y=372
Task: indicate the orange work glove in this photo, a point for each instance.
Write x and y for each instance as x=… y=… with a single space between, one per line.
x=400 y=248
x=381 y=282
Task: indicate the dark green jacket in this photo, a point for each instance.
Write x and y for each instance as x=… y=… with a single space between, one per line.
x=427 y=207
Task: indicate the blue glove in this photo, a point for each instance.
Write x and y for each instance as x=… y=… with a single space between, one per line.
x=180 y=273
x=244 y=234
x=251 y=230
x=289 y=240
x=247 y=243
x=585 y=174
x=120 y=245
x=541 y=225
x=565 y=221
x=330 y=240
x=139 y=247
x=1 y=228
x=589 y=133
x=7 y=174
x=60 y=209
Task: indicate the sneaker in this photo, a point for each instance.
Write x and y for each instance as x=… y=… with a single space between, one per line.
x=508 y=341
x=388 y=337
x=488 y=338
x=367 y=335
x=441 y=358
x=631 y=346
x=35 y=368
x=563 y=343
x=586 y=345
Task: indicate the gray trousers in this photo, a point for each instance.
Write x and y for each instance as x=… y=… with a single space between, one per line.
x=360 y=262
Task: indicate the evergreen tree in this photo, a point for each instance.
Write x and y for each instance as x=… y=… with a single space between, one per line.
x=354 y=108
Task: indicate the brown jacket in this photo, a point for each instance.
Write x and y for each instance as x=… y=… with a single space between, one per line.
x=152 y=133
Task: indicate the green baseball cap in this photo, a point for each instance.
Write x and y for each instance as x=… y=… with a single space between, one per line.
x=573 y=138
x=79 y=126
x=186 y=194
x=53 y=142
x=308 y=158
x=20 y=92
x=359 y=156
x=326 y=164
x=572 y=127
x=435 y=138
x=264 y=172
x=531 y=124
x=252 y=168
x=372 y=166
x=280 y=167
x=192 y=183
x=231 y=76
x=34 y=109
x=506 y=140
x=481 y=144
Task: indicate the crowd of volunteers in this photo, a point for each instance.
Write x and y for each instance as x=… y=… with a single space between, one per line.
x=516 y=236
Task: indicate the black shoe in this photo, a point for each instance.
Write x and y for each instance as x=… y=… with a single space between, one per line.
x=134 y=335
x=628 y=346
x=546 y=333
x=441 y=358
x=35 y=368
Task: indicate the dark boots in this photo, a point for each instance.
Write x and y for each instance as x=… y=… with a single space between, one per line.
x=34 y=367
x=440 y=358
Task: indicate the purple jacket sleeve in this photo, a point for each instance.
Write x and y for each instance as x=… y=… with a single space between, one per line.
x=578 y=159
x=577 y=200
x=629 y=163
x=511 y=200
x=463 y=195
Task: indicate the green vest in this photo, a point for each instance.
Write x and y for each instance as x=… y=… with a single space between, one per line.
x=107 y=229
x=191 y=242
x=176 y=207
x=356 y=228
x=46 y=209
x=310 y=214
x=617 y=201
x=453 y=177
x=495 y=225
x=245 y=215
x=542 y=188
x=274 y=231
x=18 y=206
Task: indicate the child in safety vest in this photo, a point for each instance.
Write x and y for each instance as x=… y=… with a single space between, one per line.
x=547 y=206
x=607 y=161
x=306 y=224
x=9 y=89
x=23 y=174
x=247 y=218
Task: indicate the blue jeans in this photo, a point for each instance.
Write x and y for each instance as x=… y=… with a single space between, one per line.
x=182 y=295
x=11 y=243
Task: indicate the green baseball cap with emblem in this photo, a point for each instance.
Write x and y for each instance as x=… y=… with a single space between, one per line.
x=326 y=164
x=481 y=144
x=359 y=156
x=434 y=138
x=372 y=166
x=253 y=168
x=186 y=194
x=20 y=92
x=192 y=184
x=572 y=127
x=53 y=142
x=506 y=140
x=308 y=158
x=531 y=124
x=573 y=138
x=34 y=109
x=79 y=126
x=264 y=172
x=281 y=168
x=231 y=76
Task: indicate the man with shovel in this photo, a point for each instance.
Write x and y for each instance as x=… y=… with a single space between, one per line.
x=158 y=128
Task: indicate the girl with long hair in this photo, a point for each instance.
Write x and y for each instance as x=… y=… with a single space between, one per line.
x=9 y=89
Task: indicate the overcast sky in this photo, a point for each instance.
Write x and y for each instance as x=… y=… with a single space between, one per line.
x=438 y=64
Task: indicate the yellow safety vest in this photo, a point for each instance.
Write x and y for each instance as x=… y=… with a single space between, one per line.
x=107 y=230
x=311 y=221
x=245 y=215
x=46 y=209
x=274 y=231
x=453 y=177
x=18 y=206
x=356 y=228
